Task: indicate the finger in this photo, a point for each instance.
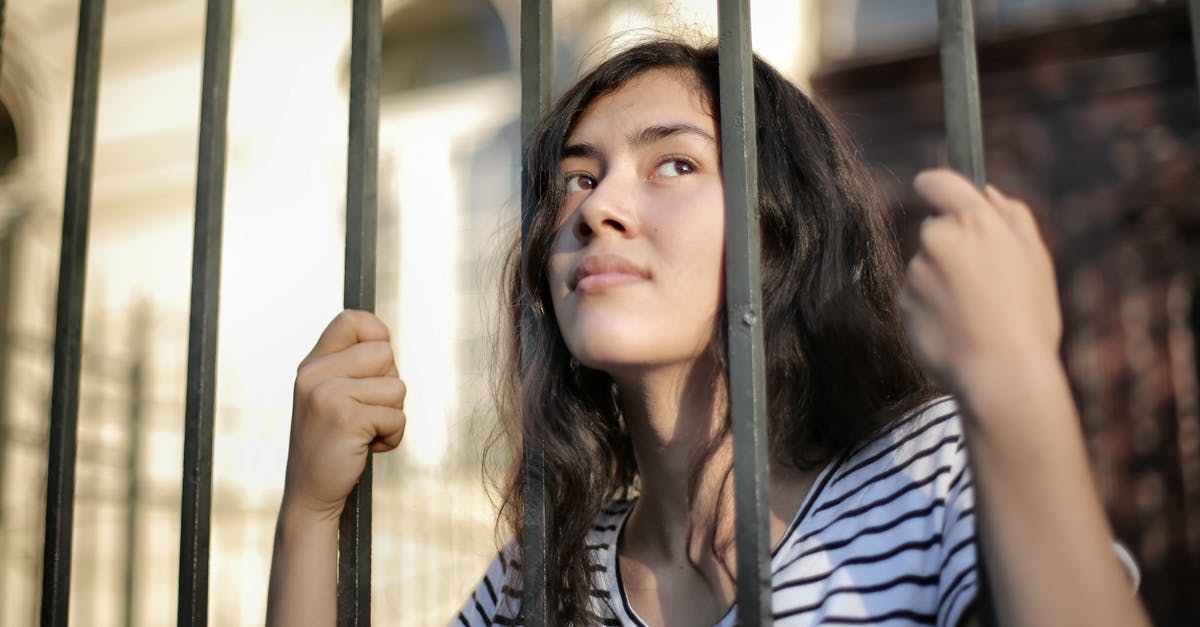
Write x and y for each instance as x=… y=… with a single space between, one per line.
x=365 y=359
x=378 y=391
x=938 y=240
x=1018 y=215
x=948 y=192
x=386 y=423
x=347 y=329
x=917 y=276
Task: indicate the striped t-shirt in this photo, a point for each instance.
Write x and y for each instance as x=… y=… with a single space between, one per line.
x=884 y=536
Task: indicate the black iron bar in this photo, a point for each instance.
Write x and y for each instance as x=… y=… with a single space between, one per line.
x=743 y=298
x=362 y=214
x=964 y=138
x=2 y=13
x=537 y=43
x=68 y=324
x=196 y=511
x=139 y=331
x=10 y=234
x=960 y=88
x=1194 y=10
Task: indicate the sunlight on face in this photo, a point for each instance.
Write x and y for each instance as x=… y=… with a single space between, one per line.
x=636 y=268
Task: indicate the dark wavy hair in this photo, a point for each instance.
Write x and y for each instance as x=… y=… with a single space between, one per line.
x=839 y=369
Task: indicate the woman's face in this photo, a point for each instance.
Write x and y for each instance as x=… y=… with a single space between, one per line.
x=637 y=264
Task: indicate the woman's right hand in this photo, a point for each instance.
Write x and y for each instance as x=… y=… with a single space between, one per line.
x=348 y=400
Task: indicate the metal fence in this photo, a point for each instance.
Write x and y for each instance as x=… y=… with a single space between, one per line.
x=747 y=380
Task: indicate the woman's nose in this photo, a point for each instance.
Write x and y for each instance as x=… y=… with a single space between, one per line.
x=607 y=210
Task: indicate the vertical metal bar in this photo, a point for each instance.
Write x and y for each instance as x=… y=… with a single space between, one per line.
x=960 y=88
x=68 y=325
x=747 y=373
x=2 y=13
x=537 y=45
x=1194 y=10
x=362 y=175
x=137 y=384
x=964 y=138
x=10 y=234
x=196 y=511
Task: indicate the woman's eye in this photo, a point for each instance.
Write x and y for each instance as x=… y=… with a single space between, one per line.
x=674 y=167
x=579 y=183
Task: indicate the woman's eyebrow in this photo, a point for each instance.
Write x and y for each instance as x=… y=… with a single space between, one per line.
x=651 y=134
x=583 y=149
x=639 y=139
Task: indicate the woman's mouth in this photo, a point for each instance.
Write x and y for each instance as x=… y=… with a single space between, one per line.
x=599 y=272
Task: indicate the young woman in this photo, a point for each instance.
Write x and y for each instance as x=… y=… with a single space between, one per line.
x=873 y=506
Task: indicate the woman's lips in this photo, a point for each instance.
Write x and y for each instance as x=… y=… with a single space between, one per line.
x=599 y=272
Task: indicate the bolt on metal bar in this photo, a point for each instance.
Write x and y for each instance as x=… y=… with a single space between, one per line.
x=964 y=137
x=68 y=325
x=362 y=213
x=196 y=511
x=747 y=373
x=537 y=45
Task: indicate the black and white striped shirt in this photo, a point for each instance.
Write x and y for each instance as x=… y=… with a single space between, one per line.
x=885 y=536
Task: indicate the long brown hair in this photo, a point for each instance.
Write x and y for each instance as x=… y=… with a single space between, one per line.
x=838 y=367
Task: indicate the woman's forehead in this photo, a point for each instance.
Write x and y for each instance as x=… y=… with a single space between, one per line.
x=652 y=98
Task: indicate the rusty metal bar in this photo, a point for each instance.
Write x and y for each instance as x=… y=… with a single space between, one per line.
x=196 y=503
x=747 y=373
x=362 y=213
x=68 y=325
x=537 y=45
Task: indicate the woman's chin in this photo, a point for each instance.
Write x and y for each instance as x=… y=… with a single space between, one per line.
x=631 y=364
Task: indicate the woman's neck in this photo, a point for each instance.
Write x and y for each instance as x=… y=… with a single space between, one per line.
x=673 y=415
x=675 y=418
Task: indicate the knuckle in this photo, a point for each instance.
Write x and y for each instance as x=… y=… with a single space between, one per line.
x=381 y=350
x=346 y=317
x=932 y=233
x=380 y=354
x=305 y=377
x=326 y=397
x=925 y=229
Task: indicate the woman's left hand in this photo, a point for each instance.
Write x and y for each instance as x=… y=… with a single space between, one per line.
x=979 y=295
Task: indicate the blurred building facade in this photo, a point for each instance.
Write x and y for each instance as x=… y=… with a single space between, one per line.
x=1091 y=114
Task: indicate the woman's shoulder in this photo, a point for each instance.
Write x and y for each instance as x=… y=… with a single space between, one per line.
x=932 y=428
x=888 y=531
x=606 y=532
x=496 y=599
x=920 y=457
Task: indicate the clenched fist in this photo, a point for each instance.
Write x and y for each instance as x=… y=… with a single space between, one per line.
x=349 y=400
x=980 y=295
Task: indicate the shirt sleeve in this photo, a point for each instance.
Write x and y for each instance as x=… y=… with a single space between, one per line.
x=958 y=575
x=496 y=600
